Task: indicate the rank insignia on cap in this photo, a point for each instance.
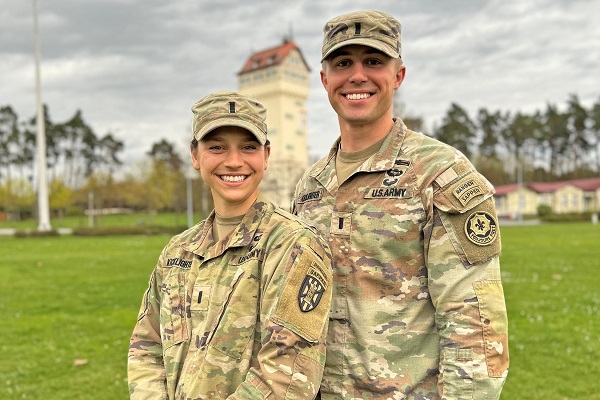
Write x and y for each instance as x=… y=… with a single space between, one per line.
x=312 y=289
x=481 y=228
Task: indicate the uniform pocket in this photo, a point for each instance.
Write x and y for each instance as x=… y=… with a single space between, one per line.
x=235 y=325
x=490 y=297
x=457 y=374
x=172 y=312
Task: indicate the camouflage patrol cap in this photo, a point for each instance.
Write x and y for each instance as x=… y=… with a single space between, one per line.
x=227 y=108
x=369 y=28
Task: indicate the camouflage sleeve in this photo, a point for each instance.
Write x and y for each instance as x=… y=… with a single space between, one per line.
x=466 y=290
x=145 y=369
x=294 y=314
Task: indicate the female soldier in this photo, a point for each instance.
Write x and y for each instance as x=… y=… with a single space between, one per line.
x=237 y=305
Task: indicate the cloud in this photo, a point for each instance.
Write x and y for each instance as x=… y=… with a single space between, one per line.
x=135 y=67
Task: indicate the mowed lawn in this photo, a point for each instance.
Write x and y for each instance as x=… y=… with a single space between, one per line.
x=68 y=305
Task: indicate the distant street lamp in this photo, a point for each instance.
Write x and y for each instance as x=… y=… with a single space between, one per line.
x=42 y=176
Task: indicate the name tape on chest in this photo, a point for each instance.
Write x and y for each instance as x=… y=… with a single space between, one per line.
x=315 y=195
x=179 y=262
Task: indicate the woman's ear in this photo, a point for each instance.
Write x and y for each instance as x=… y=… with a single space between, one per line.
x=267 y=154
x=194 y=156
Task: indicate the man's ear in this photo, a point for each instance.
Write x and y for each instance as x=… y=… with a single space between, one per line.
x=400 y=76
x=324 y=79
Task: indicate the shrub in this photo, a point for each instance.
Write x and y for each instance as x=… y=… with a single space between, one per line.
x=544 y=210
x=27 y=233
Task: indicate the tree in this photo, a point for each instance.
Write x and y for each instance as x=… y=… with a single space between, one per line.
x=61 y=197
x=553 y=138
x=108 y=152
x=9 y=130
x=595 y=131
x=165 y=151
x=577 y=126
x=457 y=130
x=75 y=146
x=18 y=195
x=493 y=127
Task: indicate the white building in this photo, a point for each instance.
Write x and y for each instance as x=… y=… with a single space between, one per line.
x=279 y=78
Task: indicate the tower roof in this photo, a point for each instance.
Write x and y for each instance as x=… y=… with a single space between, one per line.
x=270 y=57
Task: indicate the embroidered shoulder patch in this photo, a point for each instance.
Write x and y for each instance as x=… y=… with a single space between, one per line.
x=303 y=305
x=312 y=289
x=476 y=233
x=464 y=191
x=481 y=228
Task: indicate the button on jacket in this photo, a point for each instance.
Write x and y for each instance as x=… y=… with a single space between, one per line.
x=244 y=318
x=418 y=309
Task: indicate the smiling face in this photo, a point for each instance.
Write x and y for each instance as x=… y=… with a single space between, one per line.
x=232 y=163
x=360 y=83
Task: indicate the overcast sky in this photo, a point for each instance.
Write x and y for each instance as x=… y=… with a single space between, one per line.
x=135 y=67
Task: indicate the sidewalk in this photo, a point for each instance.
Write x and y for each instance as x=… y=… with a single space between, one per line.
x=11 y=231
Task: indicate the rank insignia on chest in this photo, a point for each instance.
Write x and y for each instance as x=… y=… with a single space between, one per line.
x=311 y=290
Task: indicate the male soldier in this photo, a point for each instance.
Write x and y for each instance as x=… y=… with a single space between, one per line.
x=418 y=308
x=237 y=305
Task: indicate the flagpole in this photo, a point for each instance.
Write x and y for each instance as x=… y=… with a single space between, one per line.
x=42 y=176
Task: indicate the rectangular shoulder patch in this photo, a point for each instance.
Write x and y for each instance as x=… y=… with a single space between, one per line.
x=468 y=188
x=477 y=232
x=303 y=306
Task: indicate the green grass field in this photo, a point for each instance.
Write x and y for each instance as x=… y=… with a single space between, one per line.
x=67 y=299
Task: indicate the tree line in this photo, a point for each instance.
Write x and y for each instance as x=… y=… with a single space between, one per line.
x=547 y=145
x=83 y=166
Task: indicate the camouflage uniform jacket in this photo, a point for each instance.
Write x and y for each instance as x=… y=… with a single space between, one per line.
x=418 y=308
x=245 y=318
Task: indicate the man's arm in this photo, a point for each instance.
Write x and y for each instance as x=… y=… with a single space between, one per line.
x=466 y=290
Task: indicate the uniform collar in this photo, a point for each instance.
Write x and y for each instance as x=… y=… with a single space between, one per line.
x=203 y=243
x=383 y=160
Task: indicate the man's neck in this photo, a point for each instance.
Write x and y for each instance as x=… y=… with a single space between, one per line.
x=355 y=137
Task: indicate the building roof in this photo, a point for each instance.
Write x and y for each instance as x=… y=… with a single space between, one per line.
x=505 y=189
x=269 y=57
x=587 y=185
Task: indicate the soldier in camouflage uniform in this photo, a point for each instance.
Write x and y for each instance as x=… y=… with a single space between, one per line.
x=418 y=308
x=237 y=305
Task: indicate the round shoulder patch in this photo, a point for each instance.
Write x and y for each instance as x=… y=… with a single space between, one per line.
x=481 y=228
